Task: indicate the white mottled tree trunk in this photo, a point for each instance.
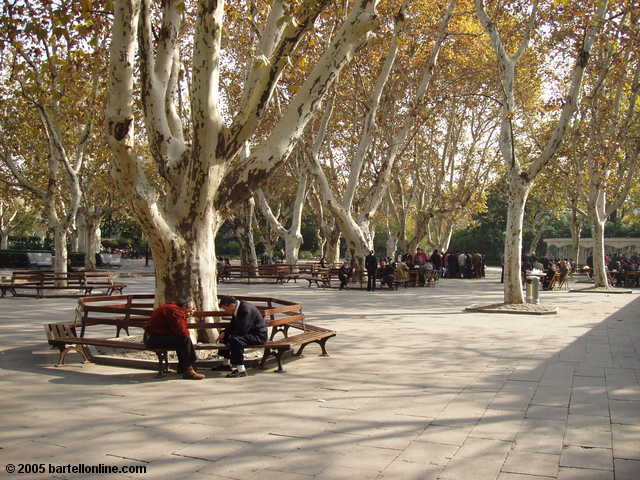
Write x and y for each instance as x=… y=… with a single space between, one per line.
x=518 y=193
x=520 y=178
x=292 y=236
x=202 y=181
x=575 y=236
x=60 y=246
x=6 y=221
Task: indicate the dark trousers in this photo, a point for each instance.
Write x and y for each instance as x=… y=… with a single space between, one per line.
x=237 y=343
x=182 y=345
x=371 y=280
x=343 y=281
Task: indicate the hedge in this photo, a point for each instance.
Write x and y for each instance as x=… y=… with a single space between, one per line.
x=19 y=258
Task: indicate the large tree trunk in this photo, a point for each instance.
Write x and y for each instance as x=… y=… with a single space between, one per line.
x=392 y=246
x=6 y=220
x=243 y=226
x=332 y=246
x=518 y=193
x=599 y=264
x=575 y=236
x=535 y=241
x=185 y=264
x=92 y=233
x=598 y=210
x=60 y=245
x=440 y=236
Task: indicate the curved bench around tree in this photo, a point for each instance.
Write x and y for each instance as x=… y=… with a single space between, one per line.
x=284 y=319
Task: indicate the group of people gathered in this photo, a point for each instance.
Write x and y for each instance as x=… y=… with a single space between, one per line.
x=388 y=270
x=620 y=266
x=550 y=267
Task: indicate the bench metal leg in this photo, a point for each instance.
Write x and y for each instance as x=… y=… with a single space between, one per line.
x=320 y=342
x=277 y=353
x=118 y=328
x=265 y=356
x=279 y=359
x=71 y=348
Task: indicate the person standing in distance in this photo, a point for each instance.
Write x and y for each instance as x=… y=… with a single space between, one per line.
x=167 y=328
x=247 y=327
x=371 y=264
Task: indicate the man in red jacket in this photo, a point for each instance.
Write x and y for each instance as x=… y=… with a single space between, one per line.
x=167 y=328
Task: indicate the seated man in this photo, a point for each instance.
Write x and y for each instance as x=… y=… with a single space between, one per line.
x=167 y=329
x=344 y=274
x=388 y=270
x=403 y=271
x=247 y=327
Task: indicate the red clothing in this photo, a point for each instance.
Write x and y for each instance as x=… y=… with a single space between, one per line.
x=167 y=319
x=420 y=255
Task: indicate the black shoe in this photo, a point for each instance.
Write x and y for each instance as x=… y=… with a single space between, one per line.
x=236 y=373
x=221 y=368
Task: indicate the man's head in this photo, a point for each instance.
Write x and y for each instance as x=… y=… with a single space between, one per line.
x=228 y=303
x=184 y=302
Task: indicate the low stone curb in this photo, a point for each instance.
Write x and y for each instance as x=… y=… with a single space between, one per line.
x=520 y=309
x=614 y=291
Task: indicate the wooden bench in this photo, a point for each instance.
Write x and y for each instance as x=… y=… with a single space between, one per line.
x=279 y=273
x=280 y=319
x=321 y=278
x=83 y=282
x=103 y=281
x=400 y=279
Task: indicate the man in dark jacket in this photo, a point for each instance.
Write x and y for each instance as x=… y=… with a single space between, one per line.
x=167 y=329
x=247 y=327
x=344 y=274
x=371 y=265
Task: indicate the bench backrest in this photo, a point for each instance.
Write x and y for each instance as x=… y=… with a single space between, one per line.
x=59 y=330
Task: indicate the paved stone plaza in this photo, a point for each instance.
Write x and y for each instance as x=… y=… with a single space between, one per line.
x=414 y=389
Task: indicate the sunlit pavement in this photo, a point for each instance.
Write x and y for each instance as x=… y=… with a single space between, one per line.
x=414 y=389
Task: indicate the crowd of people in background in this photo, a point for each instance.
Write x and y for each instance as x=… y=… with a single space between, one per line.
x=388 y=269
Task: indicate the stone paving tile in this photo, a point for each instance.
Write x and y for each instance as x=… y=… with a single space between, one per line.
x=519 y=476
x=339 y=472
x=592 y=458
x=544 y=412
x=477 y=458
x=447 y=434
x=583 y=474
x=412 y=471
x=593 y=409
x=626 y=469
x=529 y=463
x=587 y=431
x=514 y=396
x=428 y=453
x=539 y=442
x=557 y=374
x=625 y=412
x=552 y=396
x=626 y=441
x=498 y=425
x=588 y=381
